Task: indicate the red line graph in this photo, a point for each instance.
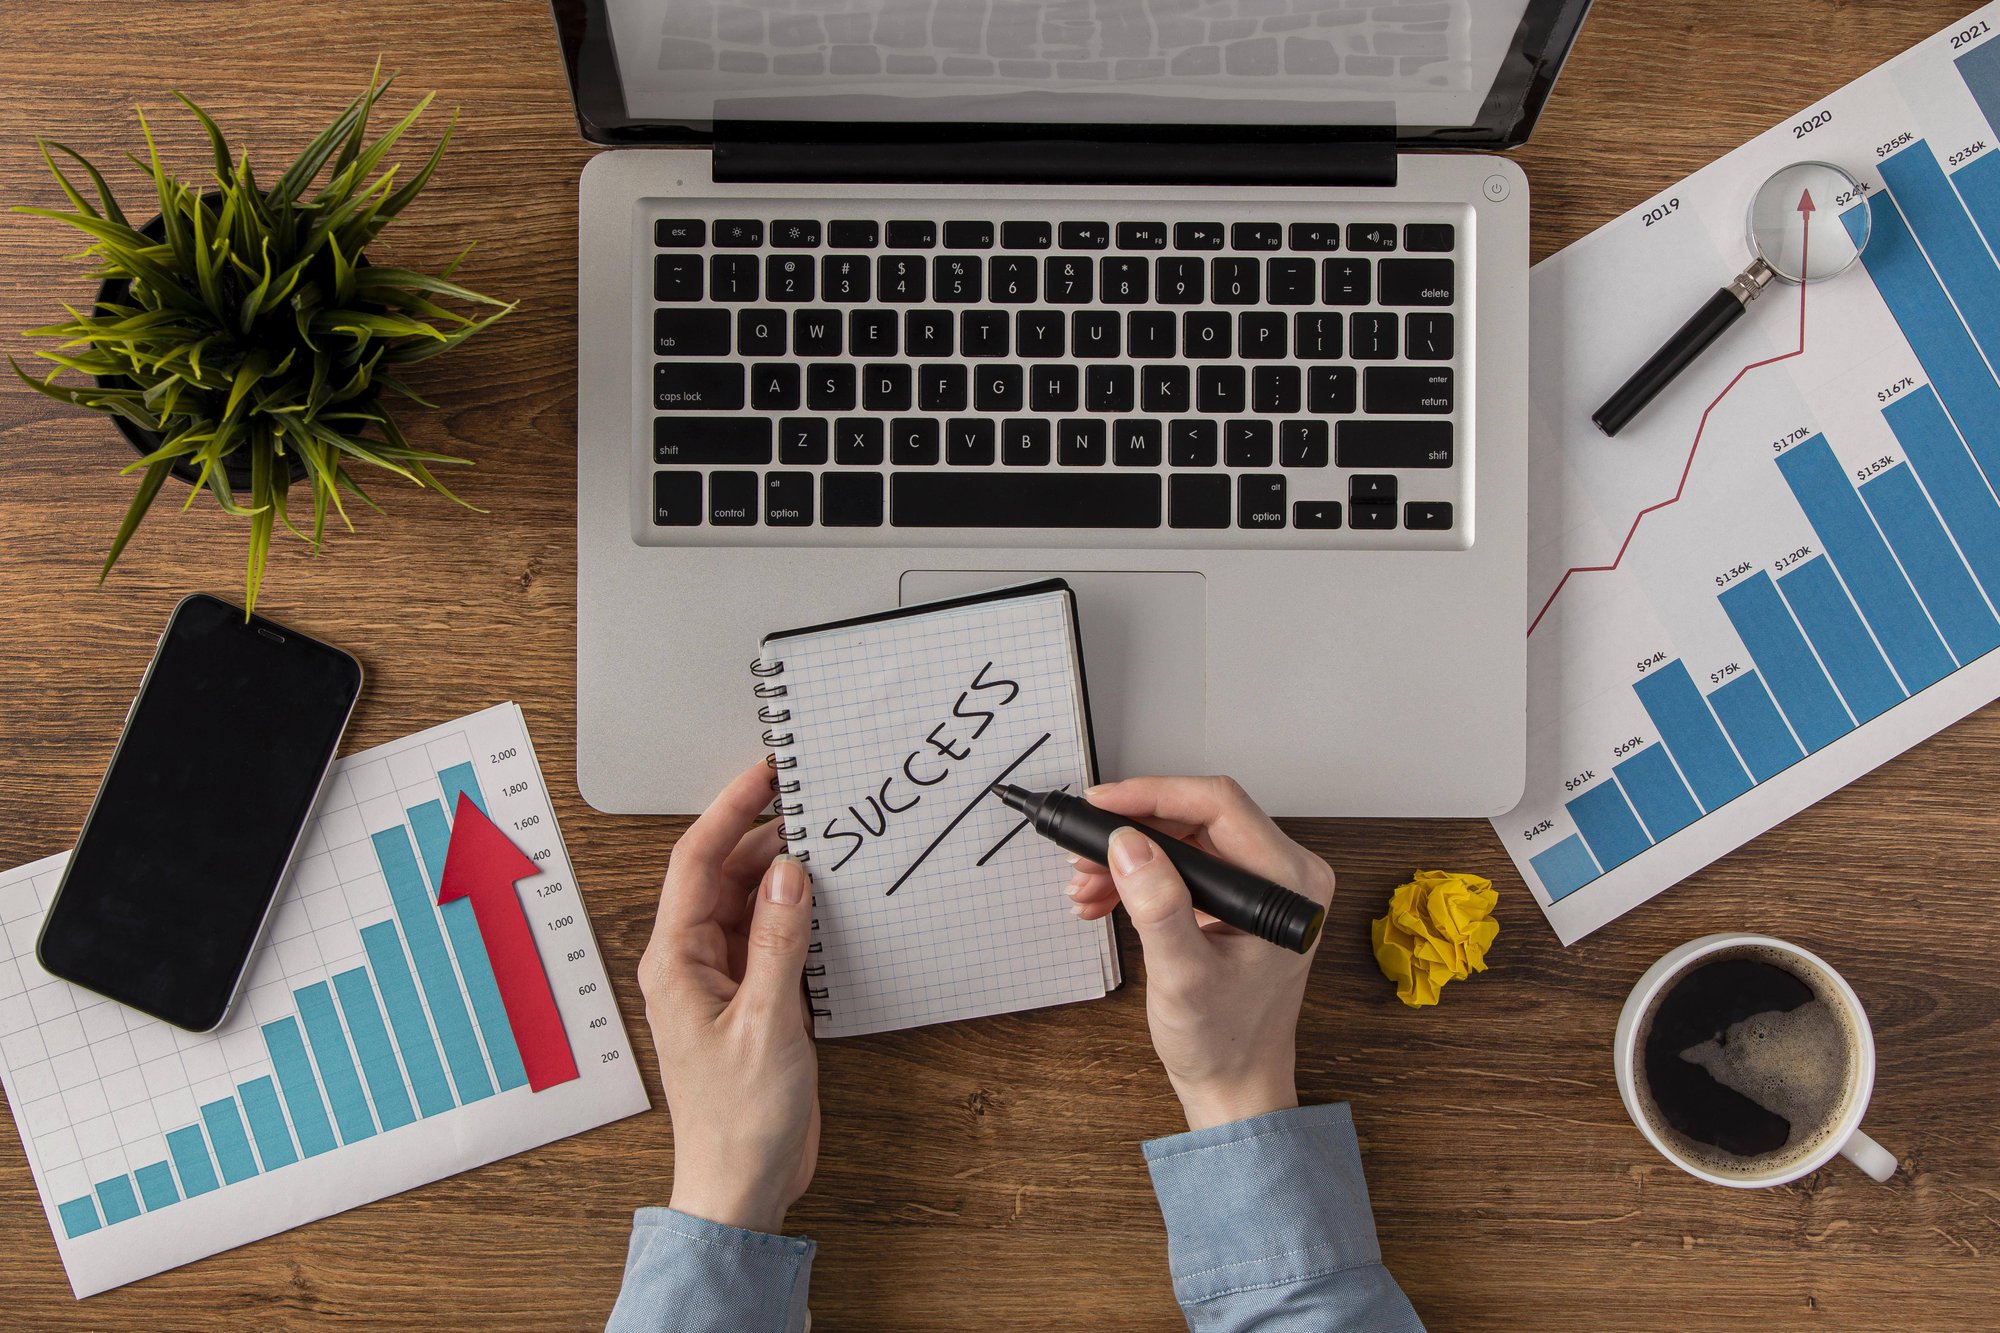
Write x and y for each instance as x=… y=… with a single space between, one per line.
x=1805 y=206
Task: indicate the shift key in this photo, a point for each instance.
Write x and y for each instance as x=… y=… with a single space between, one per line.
x=742 y=441
x=1383 y=445
x=697 y=386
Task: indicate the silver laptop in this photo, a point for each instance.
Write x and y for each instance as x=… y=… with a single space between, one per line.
x=886 y=300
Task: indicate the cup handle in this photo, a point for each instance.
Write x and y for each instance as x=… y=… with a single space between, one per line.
x=1870 y=1156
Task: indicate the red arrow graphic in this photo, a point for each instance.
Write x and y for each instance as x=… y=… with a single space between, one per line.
x=483 y=864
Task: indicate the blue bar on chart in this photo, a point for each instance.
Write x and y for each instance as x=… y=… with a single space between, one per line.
x=1865 y=564
x=371 y=1043
x=435 y=974
x=1978 y=185
x=336 y=1064
x=1927 y=318
x=1565 y=867
x=79 y=1216
x=191 y=1161
x=116 y=1199
x=1607 y=824
x=232 y=1145
x=1752 y=721
x=1655 y=788
x=295 y=1076
x=406 y=1017
x=1828 y=616
x=1980 y=69
x=460 y=778
x=1943 y=228
x=1790 y=668
x=267 y=1123
x=1692 y=737
x=1956 y=487
x=1931 y=562
x=461 y=924
x=156 y=1186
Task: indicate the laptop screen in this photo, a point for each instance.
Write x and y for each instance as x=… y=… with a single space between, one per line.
x=1462 y=71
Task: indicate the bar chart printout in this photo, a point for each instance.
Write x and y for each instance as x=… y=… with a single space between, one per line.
x=1823 y=591
x=371 y=1050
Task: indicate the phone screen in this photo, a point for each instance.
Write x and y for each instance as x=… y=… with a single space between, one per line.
x=211 y=784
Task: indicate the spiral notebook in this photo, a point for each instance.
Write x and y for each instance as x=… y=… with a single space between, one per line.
x=932 y=901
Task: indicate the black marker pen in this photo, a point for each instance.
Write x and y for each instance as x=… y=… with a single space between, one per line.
x=1248 y=902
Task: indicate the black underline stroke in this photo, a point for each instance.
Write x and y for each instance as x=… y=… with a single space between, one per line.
x=959 y=818
x=994 y=850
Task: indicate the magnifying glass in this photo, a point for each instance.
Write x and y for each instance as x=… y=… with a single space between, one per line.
x=1796 y=235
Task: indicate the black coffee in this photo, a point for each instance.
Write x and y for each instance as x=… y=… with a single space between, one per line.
x=1746 y=1061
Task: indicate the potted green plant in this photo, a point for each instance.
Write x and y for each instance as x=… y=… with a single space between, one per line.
x=243 y=341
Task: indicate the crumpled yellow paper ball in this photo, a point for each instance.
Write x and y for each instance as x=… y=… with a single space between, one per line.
x=1437 y=929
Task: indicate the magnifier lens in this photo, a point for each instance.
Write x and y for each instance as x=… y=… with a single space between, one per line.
x=1780 y=230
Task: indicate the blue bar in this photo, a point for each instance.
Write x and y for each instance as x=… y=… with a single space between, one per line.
x=460 y=778
x=1866 y=567
x=434 y=971
x=156 y=1186
x=1565 y=867
x=1786 y=660
x=1944 y=230
x=371 y=1043
x=406 y=1016
x=1978 y=185
x=295 y=1076
x=267 y=1123
x=1980 y=68
x=232 y=1145
x=336 y=1064
x=79 y=1216
x=469 y=946
x=1657 y=792
x=1947 y=471
x=1908 y=287
x=116 y=1198
x=191 y=1160
x=1827 y=614
x=1932 y=563
x=1692 y=737
x=1607 y=824
x=1752 y=721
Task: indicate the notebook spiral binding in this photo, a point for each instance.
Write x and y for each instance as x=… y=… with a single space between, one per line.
x=790 y=810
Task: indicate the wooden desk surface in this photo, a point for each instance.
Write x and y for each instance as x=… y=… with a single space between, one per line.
x=986 y=1174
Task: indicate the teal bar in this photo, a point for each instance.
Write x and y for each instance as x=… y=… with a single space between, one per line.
x=433 y=832
x=406 y=1016
x=295 y=1076
x=469 y=946
x=460 y=778
x=1565 y=867
x=336 y=1064
x=156 y=1186
x=116 y=1198
x=435 y=974
x=371 y=1042
x=267 y=1123
x=232 y=1145
x=1745 y=709
x=79 y=1216
x=191 y=1160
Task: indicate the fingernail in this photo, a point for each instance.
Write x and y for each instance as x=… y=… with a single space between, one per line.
x=1089 y=792
x=1130 y=850
x=1075 y=886
x=788 y=880
x=1076 y=910
x=1071 y=857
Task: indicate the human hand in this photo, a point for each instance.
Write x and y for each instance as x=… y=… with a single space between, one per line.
x=1223 y=1006
x=723 y=980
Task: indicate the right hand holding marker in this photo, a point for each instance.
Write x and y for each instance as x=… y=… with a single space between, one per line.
x=1223 y=1006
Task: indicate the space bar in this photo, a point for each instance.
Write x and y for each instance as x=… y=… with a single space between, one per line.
x=1015 y=500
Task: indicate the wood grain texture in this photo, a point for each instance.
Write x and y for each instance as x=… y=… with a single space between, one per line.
x=986 y=1174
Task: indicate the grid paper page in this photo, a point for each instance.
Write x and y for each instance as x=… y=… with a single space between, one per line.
x=933 y=904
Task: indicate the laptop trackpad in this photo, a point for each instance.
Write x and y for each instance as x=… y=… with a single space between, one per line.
x=1145 y=653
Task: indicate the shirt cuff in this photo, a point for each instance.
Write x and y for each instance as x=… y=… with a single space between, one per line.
x=695 y=1276
x=1263 y=1202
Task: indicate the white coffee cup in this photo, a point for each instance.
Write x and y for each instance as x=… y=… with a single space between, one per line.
x=1846 y=1140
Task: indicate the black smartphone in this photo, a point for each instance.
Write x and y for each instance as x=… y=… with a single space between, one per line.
x=181 y=856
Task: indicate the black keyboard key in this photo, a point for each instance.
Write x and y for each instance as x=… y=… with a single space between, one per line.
x=1246 y=443
x=1025 y=236
x=1371 y=336
x=816 y=333
x=958 y=279
x=1080 y=443
x=1197 y=236
x=1068 y=279
x=1220 y=389
x=732 y=277
x=1372 y=490
x=1397 y=444
x=1142 y=236
x=1347 y=281
x=1011 y=279
x=913 y=441
x=1314 y=235
x=1027 y=500
x=941 y=388
x=983 y=333
x=1302 y=444
x=928 y=333
x=1084 y=235
x=1164 y=390
x=1407 y=390
x=1291 y=281
x=680 y=233
x=1331 y=390
x=1108 y=388
x=1371 y=236
x=1191 y=444
x=1256 y=236
x=1205 y=335
x=900 y=278
x=885 y=388
x=844 y=278
x=1025 y=442
x=997 y=388
x=1150 y=335
x=871 y=332
x=788 y=499
x=794 y=234
x=677 y=278
x=1260 y=335
x=1125 y=280
x=1315 y=513
x=1236 y=281
x=830 y=388
x=1274 y=389
x=1427 y=337
x=1417 y=281
x=774 y=387
x=1038 y=333
x=1427 y=515
x=802 y=441
x=854 y=235
x=1195 y=501
x=968 y=236
x=760 y=332
x=1180 y=281
x=738 y=234
x=697 y=386
x=732 y=499
x=1094 y=334
x=857 y=442
x=1052 y=388
x=851 y=500
x=1135 y=444
x=968 y=442
x=676 y=499
x=1371 y=514
x=912 y=235
x=690 y=332
x=788 y=277
x=1429 y=237
x=744 y=441
x=1260 y=500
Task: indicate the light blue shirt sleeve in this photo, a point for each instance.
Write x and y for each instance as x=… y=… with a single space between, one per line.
x=1269 y=1229
x=686 y=1275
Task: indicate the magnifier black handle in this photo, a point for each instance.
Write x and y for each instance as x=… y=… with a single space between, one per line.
x=1689 y=341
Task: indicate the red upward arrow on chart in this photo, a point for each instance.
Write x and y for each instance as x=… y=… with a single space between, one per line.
x=483 y=865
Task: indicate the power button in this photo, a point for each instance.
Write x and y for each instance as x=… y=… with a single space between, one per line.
x=1497 y=188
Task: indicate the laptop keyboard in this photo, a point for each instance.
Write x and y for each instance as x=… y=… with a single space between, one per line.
x=821 y=375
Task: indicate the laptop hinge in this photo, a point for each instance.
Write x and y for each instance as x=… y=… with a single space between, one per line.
x=1005 y=161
